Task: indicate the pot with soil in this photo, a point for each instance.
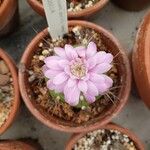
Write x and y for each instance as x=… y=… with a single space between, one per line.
x=111 y=137
x=9 y=16
x=76 y=8
x=9 y=91
x=132 y=5
x=19 y=145
x=78 y=82
x=141 y=60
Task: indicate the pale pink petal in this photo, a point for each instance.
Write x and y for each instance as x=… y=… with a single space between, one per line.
x=47 y=59
x=45 y=68
x=109 y=58
x=51 y=73
x=60 y=88
x=60 y=52
x=52 y=63
x=100 y=57
x=108 y=81
x=102 y=88
x=82 y=85
x=102 y=68
x=60 y=78
x=92 y=89
x=89 y=98
x=81 y=51
x=70 y=52
x=67 y=70
x=50 y=85
x=97 y=78
x=71 y=83
x=91 y=63
x=91 y=49
x=63 y=63
x=72 y=95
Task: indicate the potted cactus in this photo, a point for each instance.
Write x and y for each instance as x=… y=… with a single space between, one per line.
x=78 y=82
x=76 y=8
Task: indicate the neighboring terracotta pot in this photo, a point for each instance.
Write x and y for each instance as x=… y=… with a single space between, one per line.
x=141 y=60
x=124 y=70
x=74 y=139
x=38 y=7
x=16 y=102
x=9 y=16
x=132 y=5
x=18 y=145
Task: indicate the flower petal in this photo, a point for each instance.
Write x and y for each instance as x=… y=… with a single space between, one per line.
x=92 y=89
x=102 y=68
x=72 y=95
x=51 y=73
x=60 y=78
x=96 y=78
x=82 y=85
x=91 y=49
x=108 y=81
x=71 y=83
x=102 y=88
x=100 y=57
x=89 y=98
x=109 y=58
x=81 y=51
x=50 y=85
x=70 y=52
x=60 y=88
x=60 y=52
x=52 y=62
x=91 y=62
x=63 y=63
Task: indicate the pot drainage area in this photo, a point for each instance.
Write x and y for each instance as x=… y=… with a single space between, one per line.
x=123 y=25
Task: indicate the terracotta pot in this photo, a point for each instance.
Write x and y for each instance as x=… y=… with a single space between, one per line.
x=132 y=5
x=18 y=145
x=123 y=68
x=16 y=102
x=38 y=7
x=74 y=139
x=141 y=60
x=9 y=16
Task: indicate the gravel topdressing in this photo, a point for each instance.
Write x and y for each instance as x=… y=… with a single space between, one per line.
x=6 y=92
x=105 y=140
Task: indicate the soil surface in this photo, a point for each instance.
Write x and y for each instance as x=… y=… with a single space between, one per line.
x=40 y=94
x=78 y=5
x=105 y=140
x=6 y=92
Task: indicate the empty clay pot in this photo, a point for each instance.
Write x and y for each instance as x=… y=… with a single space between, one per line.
x=56 y=123
x=132 y=5
x=18 y=145
x=38 y=7
x=16 y=100
x=74 y=139
x=9 y=16
x=141 y=60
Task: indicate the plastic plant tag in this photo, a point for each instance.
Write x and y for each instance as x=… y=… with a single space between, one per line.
x=56 y=14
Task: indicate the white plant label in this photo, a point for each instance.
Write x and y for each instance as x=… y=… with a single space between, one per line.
x=56 y=14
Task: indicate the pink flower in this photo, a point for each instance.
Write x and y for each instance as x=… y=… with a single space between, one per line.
x=78 y=71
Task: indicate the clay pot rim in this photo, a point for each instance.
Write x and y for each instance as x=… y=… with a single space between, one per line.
x=3 y=6
x=75 y=137
x=24 y=144
x=37 y=6
x=104 y=120
x=11 y=65
x=141 y=53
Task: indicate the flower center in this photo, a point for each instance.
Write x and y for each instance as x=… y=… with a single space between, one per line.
x=78 y=68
